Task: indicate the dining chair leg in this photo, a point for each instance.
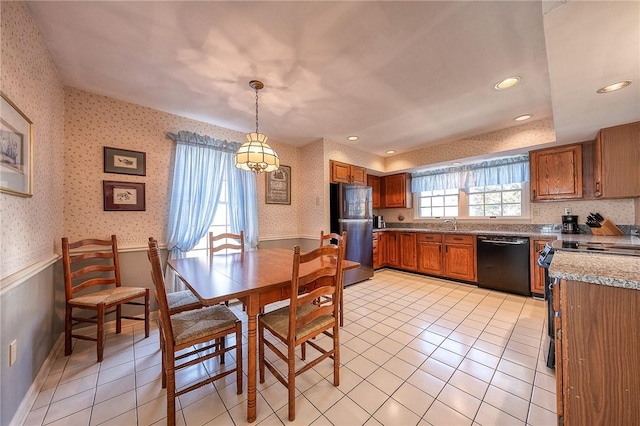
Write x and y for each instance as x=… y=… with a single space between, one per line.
x=291 y=380
x=261 y=351
x=303 y=351
x=171 y=389
x=239 y=357
x=163 y=353
x=146 y=314
x=118 y=319
x=336 y=356
x=222 y=344
x=100 y=331
x=341 y=310
x=67 y=330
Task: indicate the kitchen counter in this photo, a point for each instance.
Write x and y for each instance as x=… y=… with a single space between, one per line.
x=605 y=269
x=550 y=235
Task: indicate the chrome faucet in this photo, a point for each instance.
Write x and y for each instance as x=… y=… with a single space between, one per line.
x=454 y=221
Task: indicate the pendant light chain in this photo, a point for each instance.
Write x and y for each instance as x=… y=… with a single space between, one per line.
x=257 y=110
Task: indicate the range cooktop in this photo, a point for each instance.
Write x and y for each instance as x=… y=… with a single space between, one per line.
x=606 y=248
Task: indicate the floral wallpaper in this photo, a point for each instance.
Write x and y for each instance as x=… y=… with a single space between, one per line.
x=32 y=227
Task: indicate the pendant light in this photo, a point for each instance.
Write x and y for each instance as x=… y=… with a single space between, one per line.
x=256 y=154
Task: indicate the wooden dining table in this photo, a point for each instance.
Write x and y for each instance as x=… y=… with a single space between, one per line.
x=256 y=277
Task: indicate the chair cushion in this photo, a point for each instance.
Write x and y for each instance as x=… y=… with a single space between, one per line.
x=191 y=325
x=108 y=297
x=278 y=321
x=182 y=299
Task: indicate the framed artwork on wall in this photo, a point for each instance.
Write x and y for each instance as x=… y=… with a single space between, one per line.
x=16 y=150
x=278 y=186
x=124 y=162
x=123 y=196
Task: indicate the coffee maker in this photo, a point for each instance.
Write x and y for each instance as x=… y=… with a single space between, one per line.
x=378 y=222
x=570 y=224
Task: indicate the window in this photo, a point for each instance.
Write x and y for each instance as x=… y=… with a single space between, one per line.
x=495 y=200
x=476 y=202
x=438 y=203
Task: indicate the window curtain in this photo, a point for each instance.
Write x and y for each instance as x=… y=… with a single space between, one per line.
x=200 y=165
x=492 y=172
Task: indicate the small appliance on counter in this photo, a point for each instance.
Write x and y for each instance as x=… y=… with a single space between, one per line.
x=570 y=224
x=378 y=222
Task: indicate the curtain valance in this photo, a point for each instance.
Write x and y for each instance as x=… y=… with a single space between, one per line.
x=491 y=172
x=190 y=138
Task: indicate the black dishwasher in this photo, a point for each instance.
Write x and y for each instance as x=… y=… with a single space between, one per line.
x=503 y=264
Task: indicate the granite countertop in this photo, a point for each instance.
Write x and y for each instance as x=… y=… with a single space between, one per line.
x=606 y=269
x=550 y=235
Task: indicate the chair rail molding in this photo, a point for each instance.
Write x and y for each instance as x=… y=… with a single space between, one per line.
x=15 y=279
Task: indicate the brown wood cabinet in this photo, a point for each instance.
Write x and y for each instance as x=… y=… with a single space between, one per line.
x=396 y=191
x=408 y=255
x=374 y=183
x=616 y=162
x=597 y=354
x=537 y=272
x=460 y=257
x=390 y=246
x=556 y=173
x=429 y=247
x=347 y=173
x=377 y=260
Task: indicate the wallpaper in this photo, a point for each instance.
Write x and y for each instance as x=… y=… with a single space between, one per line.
x=93 y=121
x=32 y=227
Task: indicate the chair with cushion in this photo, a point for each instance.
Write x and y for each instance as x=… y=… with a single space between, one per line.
x=331 y=238
x=92 y=282
x=315 y=274
x=192 y=337
x=237 y=245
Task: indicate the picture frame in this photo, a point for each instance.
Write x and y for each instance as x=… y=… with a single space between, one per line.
x=123 y=196
x=16 y=150
x=124 y=161
x=278 y=186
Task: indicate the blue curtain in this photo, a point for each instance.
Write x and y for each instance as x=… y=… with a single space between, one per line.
x=492 y=172
x=201 y=164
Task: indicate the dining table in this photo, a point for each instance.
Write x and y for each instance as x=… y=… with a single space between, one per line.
x=257 y=277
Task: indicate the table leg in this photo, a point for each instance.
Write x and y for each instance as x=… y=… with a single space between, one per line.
x=252 y=346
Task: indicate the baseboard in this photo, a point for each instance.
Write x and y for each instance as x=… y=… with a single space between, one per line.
x=20 y=417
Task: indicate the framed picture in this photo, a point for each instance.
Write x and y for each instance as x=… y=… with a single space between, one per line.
x=16 y=150
x=124 y=162
x=278 y=186
x=123 y=196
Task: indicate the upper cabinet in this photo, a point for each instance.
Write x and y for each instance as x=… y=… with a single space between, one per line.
x=374 y=183
x=556 y=173
x=396 y=191
x=616 y=162
x=347 y=173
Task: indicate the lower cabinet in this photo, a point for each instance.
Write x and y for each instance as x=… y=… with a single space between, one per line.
x=460 y=257
x=408 y=255
x=429 y=248
x=597 y=352
x=538 y=278
x=390 y=249
x=376 y=251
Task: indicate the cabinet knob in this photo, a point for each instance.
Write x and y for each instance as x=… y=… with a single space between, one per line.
x=534 y=193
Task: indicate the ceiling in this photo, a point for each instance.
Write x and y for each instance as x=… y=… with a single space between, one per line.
x=400 y=75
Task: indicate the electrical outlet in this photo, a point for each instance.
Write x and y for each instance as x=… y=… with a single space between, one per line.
x=536 y=211
x=13 y=352
x=567 y=210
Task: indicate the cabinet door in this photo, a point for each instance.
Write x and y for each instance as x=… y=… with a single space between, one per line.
x=395 y=191
x=340 y=172
x=537 y=272
x=429 y=248
x=382 y=249
x=392 y=249
x=459 y=261
x=616 y=169
x=408 y=255
x=556 y=173
x=358 y=175
x=374 y=183
x=376 y=252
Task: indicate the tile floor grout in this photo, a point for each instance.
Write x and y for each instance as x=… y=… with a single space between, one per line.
x=412 y=373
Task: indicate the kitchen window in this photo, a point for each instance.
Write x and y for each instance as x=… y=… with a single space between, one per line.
x=438 y=203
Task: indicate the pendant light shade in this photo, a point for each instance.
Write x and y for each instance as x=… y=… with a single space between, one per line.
x=256 y=154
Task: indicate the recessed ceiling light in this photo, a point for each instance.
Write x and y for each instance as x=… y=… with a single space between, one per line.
x=507 y=83
x=352 y=138
x=615 y=86
x=391 y=151
x=523 y=117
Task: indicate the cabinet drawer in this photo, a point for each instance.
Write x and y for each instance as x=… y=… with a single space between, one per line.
x=435 y=238
x=459 y=239
x=376 y=236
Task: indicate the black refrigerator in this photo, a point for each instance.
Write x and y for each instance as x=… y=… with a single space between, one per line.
x=352 y=211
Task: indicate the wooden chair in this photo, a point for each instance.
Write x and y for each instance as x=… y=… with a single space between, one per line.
x=97 y=269
x=329 y=238
x=301 y=321
x=202 y=332
x=180 y=301
x=239 y=245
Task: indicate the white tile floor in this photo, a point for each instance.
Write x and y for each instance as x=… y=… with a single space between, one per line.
x=415 y=351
